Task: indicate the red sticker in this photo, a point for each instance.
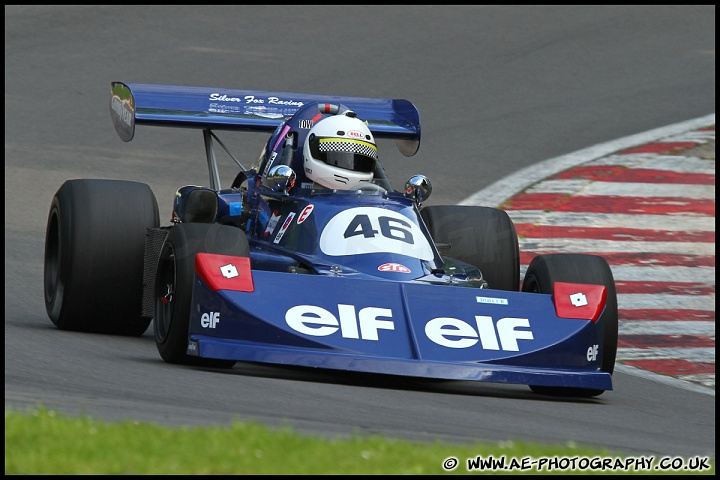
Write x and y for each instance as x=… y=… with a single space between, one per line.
x=393 y=267
x=576 y=300
x=305 y=214
x=224 y=272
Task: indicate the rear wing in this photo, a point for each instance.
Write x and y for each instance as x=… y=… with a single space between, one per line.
x=210 y=109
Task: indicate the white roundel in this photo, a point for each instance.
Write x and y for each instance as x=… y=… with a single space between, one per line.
x=373 y=230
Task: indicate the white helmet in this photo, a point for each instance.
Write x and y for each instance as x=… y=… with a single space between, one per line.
x=340 y=152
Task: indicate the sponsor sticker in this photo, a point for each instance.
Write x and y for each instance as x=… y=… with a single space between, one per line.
x=271 y=224
x=495 y=301
x=366 y=323
x=224 y=272
x=393 y=267
x=305 y=214
x=284 y=227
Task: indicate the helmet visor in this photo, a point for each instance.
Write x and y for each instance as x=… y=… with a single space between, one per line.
x=350 y=154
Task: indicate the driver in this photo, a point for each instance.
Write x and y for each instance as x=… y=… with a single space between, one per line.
x=340 y=152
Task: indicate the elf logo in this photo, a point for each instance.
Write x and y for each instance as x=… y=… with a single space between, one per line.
x=502 y=335
x=592 y=353
x=448 y=332
x=210 y=320
x=318 y=322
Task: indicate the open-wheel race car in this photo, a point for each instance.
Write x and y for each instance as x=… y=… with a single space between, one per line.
x=311 y=258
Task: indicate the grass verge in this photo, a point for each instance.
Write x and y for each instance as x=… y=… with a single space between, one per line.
x=42 y=441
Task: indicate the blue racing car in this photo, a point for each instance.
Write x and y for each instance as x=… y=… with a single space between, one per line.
x=312 y=258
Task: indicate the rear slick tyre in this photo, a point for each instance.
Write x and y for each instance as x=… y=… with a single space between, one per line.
x=94 y=255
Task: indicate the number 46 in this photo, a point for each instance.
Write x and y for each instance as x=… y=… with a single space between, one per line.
x=389 y=227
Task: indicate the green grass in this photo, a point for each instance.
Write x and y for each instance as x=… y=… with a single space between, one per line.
x=42 y=441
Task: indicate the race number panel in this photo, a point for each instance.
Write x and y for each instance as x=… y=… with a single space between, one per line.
x=373 y=230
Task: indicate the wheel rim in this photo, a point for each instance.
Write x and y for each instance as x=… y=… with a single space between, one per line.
x=165 y=293
x=52 y=259
x=531 y=285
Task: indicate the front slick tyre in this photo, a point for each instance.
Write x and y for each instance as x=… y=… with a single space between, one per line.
x=174 y=285
x=94 y=255
x=481 y=236
x=545 y=270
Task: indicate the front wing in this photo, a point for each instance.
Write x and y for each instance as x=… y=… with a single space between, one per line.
x=411 y=329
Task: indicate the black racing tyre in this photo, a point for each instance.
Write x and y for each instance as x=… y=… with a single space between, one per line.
x=174 y=285
x=94 y=254
x=481 y=236
x=545 y=270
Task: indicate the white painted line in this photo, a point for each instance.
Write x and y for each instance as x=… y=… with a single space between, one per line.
x=567 y=187
x=679 y=327
x=671 y=163
x=644 y=301
x=673 y=223
x=625 y=189
x=582 y=245
x=500 y=191
x=697 y=136
x=701 y=355
x=632 y=273
x=707 y=379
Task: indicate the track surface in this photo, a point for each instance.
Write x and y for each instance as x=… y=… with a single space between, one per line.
x=498 y=88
